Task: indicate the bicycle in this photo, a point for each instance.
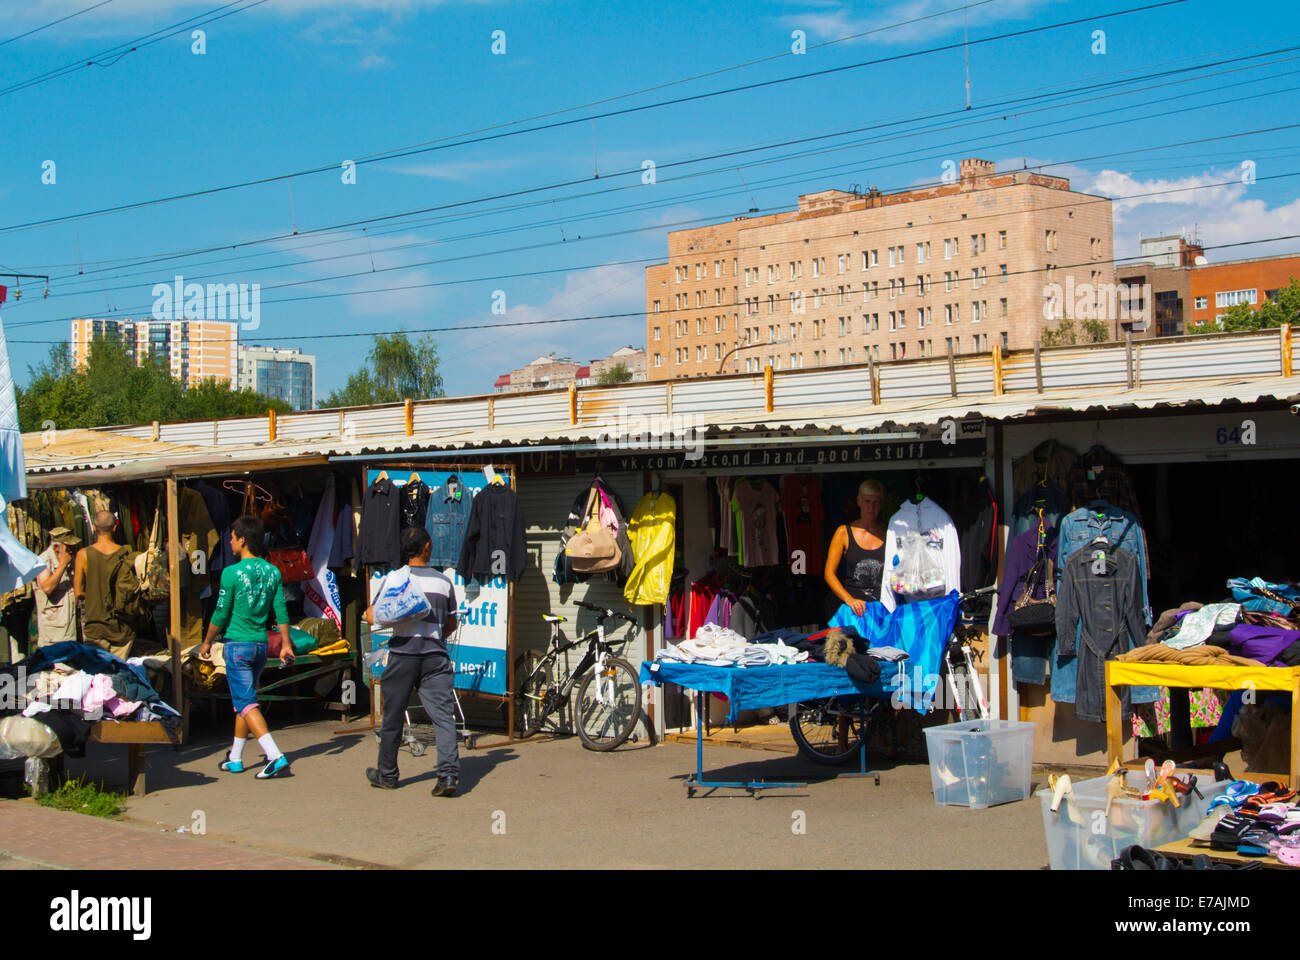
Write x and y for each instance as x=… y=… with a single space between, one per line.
x=831 y=730
x=608 y=697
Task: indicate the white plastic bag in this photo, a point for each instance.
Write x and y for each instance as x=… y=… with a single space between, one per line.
x=400 y=599
x=917 y=572
x=24 y=737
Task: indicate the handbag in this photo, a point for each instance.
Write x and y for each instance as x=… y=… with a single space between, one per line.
x=151 y=568
x=1031 y=617
x=593 y=549
x=292 y=562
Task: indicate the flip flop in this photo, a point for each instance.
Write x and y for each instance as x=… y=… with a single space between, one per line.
x=1229 y=831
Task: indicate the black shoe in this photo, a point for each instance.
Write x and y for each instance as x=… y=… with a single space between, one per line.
x=446 y=787
x=379 y=780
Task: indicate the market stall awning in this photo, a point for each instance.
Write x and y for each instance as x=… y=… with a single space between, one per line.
x=105 y=455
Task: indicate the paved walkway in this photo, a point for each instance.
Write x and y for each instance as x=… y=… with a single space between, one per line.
x=537 y=804
x=37 y=837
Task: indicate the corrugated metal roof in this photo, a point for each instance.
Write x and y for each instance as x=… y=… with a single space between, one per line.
x=100 y=457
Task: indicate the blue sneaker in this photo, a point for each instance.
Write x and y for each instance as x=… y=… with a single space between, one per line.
x=276 y=766
x=231 y=766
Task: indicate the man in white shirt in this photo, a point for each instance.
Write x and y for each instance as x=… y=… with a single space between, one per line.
x=418 y=660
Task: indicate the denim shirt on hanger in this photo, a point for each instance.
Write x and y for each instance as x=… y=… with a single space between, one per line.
x=1078 y=529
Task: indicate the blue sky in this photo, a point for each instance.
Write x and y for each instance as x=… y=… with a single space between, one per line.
x=294 y=85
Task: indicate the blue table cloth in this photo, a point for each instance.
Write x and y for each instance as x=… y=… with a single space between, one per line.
x=749 y=688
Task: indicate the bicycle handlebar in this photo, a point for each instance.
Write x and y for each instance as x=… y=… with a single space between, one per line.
x=605 y=613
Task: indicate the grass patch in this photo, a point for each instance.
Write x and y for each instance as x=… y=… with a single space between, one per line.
x=79 y=796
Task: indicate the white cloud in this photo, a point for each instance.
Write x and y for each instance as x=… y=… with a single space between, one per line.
x=463 y=171
x=827 y=21
x=476 y=358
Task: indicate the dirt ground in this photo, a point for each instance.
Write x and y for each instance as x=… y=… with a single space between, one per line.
x=554 y=804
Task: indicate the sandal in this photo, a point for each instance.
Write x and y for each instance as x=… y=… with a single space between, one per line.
x=1229 y=831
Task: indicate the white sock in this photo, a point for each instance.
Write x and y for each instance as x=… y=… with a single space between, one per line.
x=268 y=747
x=237 y=750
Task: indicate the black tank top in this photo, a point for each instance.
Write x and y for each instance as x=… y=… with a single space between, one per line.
x=861 y=570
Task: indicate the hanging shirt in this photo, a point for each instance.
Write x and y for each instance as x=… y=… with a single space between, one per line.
x=653 y=533
x=380 y=515
x=932 y=523
x=756 y=504
x=801 y=507
x=726 y=518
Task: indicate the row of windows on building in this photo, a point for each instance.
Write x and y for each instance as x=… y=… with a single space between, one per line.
x=898 y=350
x=896 y=320
x=896 y=256
x=895 y=287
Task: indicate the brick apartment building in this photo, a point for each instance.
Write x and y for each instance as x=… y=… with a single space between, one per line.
x=1217 y=286
x=904 y=275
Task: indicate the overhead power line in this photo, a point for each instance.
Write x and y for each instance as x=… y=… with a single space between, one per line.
x=419 y=150
x=52 y=23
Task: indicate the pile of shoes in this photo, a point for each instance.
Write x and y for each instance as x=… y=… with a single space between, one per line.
x=1253 y=820
x=1140 y=858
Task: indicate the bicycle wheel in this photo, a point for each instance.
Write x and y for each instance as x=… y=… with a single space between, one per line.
x=817 y=725
x=605 y=717
x=532 y=686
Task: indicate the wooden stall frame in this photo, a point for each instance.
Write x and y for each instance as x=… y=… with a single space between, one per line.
x=506 y=471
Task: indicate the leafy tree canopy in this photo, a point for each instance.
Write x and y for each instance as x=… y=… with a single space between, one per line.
x=1066 y=333
x=615 y=374
x=114 y=390
x=396 y=369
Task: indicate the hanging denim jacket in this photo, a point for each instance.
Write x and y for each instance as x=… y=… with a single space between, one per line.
x=1078 y=529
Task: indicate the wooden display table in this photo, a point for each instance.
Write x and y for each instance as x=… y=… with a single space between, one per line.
x=1121 y=673
x=1185 y=849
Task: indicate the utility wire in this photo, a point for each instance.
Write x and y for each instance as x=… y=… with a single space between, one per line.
x=414 y=151
x=45 y=26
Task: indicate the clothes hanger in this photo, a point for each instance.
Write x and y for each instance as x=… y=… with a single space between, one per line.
x=920 y=488
x=415 y=478
x=383 y=475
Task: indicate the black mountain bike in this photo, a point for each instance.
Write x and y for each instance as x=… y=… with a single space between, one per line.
x=831 y=729
x=608 y=698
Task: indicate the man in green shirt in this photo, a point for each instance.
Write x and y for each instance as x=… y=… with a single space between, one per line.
x=251 y=599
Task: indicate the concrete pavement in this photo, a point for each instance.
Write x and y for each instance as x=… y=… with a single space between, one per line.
x=553 y=804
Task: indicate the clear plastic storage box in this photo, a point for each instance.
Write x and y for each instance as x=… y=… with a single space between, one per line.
x=1081 y=837
x=980 y=763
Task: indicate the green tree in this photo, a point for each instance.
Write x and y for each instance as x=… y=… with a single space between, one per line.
x=1271 y=313
x=1090 y=330
x=396 y=369
x=113 y=390
x=615 y=374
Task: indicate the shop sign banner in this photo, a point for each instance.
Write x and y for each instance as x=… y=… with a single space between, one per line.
x=478 y=648
x=482 y=624
x=956 y=438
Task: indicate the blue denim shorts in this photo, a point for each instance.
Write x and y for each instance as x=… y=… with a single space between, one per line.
x=244 y=663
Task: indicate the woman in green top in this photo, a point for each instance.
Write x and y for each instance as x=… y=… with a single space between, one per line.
x=251 y=599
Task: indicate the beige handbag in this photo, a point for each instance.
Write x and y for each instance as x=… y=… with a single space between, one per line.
x=593 y=549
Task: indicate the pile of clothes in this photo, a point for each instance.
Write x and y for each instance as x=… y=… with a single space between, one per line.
x=717 y=646
x=62 y=689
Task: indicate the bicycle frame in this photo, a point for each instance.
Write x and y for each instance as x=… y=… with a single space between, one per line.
x=596 y=646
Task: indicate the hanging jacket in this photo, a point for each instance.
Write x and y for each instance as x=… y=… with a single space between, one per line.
x=653 y=535
x=928 y=519
x=495 y=524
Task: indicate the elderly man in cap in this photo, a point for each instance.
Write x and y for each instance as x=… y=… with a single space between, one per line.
x=56 y=602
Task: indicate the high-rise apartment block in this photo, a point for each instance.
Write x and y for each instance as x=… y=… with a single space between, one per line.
x=972 y=265
x=194 y=350
x=288 y=375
